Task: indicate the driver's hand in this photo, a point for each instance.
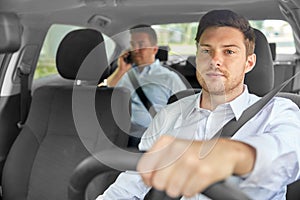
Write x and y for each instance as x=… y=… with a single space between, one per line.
x=186 y=167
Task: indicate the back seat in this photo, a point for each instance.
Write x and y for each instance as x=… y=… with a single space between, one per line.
x=188 y=70
x=284 y=68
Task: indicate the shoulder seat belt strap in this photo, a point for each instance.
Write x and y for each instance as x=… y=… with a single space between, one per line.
x=138 y=89
x=24 y=71
x=229 y=129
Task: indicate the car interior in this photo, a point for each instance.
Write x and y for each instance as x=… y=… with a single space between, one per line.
x=264 y=67
x=54 y=118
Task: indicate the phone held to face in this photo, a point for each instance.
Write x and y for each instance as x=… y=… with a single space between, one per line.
x=128 y=59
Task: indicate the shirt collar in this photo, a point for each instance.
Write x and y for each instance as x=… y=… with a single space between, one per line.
x=193 y=106
x=238 y=105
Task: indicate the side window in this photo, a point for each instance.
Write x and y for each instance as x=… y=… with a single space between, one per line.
x=46 y=63
x=278 y=32
x=180 y=37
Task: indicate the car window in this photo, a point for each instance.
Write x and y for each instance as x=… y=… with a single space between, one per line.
x=46 y=62
x=180 y=36
x=279 y=32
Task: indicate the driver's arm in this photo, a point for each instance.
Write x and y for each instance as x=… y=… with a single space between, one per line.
x=185 y=167
x=269 y=168
x=128 y=185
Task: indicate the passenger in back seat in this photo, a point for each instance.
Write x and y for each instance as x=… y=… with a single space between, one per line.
x=261 y=159
x=158 y=82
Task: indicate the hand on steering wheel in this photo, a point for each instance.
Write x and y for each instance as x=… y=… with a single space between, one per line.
x=187 y=167
x=116 y=160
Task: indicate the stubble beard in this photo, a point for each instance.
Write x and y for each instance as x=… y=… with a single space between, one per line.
x=220 y=87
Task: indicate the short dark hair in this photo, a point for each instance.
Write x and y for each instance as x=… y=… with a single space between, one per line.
x=221 y=18
x=144 y=28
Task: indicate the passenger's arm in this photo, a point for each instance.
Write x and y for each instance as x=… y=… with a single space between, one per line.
x=122 y=68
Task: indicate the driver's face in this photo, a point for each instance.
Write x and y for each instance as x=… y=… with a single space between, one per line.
x=222 y=61
x=143 y=51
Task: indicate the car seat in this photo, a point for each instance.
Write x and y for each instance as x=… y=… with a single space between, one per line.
x=66 y=123
x=10 y=35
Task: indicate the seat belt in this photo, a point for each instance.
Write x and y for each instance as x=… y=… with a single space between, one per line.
x=23 y=72
x=231 y=127
x=138 y=89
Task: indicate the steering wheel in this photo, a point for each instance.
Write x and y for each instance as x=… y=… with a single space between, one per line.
x=116 y=160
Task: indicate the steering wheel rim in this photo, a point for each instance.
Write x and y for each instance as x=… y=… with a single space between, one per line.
x=116 y=161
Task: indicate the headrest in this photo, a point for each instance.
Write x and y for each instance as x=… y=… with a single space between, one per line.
x=81 y=55
x=261 y=79
x=10 y=32
x=162 y=53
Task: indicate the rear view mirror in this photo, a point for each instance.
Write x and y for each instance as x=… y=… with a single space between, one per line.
x=10 y=32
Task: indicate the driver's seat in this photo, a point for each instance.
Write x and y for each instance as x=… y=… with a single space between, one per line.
x=66 y=123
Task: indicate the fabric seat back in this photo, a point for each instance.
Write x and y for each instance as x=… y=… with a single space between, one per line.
x=66 y=123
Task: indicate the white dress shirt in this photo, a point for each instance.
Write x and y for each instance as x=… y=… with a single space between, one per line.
x=274 y=132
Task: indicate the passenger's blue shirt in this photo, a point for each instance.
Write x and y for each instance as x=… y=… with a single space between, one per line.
x=158 y=84
x=273 y=132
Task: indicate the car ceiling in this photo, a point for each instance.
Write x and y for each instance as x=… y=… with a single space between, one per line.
x=107 y=13
x=114 y=16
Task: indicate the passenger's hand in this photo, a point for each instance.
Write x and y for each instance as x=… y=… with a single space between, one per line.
x=185 y=167
x=123 y=67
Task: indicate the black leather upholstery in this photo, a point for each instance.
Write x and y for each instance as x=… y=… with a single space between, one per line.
x=261 y=79
x=72 y=61
x=65 y=124
x=163 y=53
x=188 y=70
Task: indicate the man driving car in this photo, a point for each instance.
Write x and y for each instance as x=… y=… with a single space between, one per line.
x=261 y=159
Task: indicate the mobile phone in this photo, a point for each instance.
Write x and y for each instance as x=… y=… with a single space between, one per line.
x=128 y=59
